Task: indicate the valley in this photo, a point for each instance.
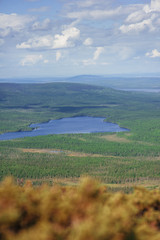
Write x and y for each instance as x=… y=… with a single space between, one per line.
x=120 y=160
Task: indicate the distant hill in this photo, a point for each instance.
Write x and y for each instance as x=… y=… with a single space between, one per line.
x=118 y=82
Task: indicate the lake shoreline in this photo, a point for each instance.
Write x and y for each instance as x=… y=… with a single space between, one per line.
x=70 y=125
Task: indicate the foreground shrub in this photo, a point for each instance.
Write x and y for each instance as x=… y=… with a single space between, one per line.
x=85 y=212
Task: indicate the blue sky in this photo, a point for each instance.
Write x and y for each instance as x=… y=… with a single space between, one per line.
x=72 y=37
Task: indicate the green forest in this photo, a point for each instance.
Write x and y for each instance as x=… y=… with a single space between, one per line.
x=120 y=160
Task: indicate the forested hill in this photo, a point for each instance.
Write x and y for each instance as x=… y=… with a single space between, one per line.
x=22 y=104
x=49 y=95
x=52 y=95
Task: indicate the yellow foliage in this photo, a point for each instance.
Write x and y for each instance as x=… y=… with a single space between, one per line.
x=85 y=212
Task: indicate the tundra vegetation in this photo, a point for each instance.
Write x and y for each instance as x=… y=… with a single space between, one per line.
x=87 y=211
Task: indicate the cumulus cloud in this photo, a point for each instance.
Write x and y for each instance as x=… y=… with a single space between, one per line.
x=153 y=54
x=88 y=42
x=44 y=25
x=97 y=53
x=37 y=42
x=31 y=60
x=136 y=16
x=90 y=23
x=13 y=22
x=97 y=10
x=58 y=56
x=64 y=40
x=155 y=5
x=142 y=19
x=138 y=27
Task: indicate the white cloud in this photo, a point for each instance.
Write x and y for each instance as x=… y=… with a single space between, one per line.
x=95 y=14
x=138 y=27
x=58 y=56
x=42 y=25
x=63 y=40
x=41 y=9
x=115 y=28
x=155 y=5
x=87 y=3
x=88 y=42
x=136 y=16
x=144 y=18
x=153 y=54
x=66 y=38
x=37 y=42
x=31 y=60
x=97 y=53
x=13 y=22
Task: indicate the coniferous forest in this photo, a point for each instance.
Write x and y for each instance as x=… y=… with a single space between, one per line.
x=121 y=160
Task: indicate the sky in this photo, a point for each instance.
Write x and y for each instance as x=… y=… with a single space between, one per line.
x=58 y=38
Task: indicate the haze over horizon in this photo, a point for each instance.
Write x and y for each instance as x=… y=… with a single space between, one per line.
x=77 y=37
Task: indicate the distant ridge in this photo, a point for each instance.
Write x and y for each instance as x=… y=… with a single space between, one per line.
x=114 y=81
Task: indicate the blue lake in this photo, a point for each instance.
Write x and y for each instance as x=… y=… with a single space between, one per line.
x=66 y=125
